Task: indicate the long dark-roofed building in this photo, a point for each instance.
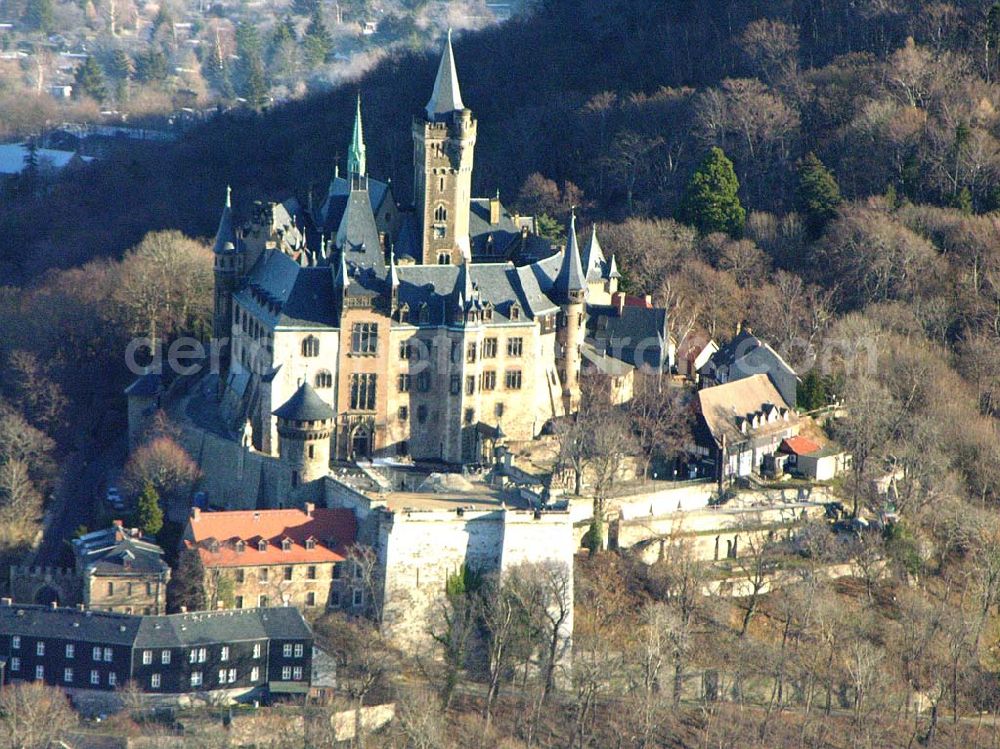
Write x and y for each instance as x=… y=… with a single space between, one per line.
x=251 y=652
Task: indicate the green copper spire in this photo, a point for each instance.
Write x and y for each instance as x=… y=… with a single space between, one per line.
x=356 y=153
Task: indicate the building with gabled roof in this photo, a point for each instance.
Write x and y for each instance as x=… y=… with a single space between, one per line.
x=225 y=654
x=289 y=557
x=121 y=571
x=740 y=423
x=747 y=355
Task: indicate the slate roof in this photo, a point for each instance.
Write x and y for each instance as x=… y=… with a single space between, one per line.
x=636 y=335
x=305 y=405
x=225 y=235
x=231 y=625
x=595 y=266
x=570 y=277
x=333 y=530
x=332 y=210
x=304 y=295
x=446 y=96
x=358 y=234
x=747 y=354
x=603 y=363
x=724 y=407
x=68 y=624
x=118 y=551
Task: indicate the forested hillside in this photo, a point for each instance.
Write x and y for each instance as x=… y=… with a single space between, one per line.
x=826 y=170
x=622 y=98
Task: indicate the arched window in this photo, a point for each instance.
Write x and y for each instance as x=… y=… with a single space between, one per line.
x=440 y=213
x=310 y=346
x=324 y=379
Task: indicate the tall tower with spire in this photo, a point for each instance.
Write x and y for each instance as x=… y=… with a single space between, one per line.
x=570 y=293
x=444 y=139
x=228 y=267
x=356 y=163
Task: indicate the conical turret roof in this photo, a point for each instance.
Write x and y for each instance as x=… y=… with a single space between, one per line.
x=305 y=405
x=225 y=236
x=570 y=278
x=447 y=96
x=356 y=161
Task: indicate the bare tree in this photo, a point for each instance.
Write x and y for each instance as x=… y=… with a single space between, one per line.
x=34 y=716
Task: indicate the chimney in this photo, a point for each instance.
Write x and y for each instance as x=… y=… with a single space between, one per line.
x=54 y=605
x=117 y=523
x=309 y=508
x=619 y=301
x=195 y=514
x=6 y=601
x=80 y=607
x=495 y=209
x=183 y=609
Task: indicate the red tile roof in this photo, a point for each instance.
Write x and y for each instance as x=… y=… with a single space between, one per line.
x=216 y=534
x=798 y=446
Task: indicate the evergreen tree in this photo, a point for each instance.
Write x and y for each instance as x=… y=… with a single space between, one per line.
x=187 y=585
x=38 y=15
x=812 y=393
x=710 y=201
x=122 y=70
x=819 y=194
x=151 y=66
x=149 y=515
x=252 y=80
x=90 y=80
x=257 y=89
x=316 y=43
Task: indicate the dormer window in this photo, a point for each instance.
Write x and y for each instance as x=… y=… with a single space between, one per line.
x=240 y=546
x=310 y=543
x=262 y=545
x=515 y=311
x=286 y=544
x=404 y=312
x=425 y=313
x=488 y=312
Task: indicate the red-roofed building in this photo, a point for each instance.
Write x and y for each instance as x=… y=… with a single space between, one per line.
x=275 y=557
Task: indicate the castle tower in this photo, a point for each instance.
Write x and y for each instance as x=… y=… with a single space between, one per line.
x=570 y=291
x=443 y=144
x=305 y=423
x=356 y=161
x=228 y=269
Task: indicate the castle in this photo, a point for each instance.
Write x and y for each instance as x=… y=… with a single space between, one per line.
x=363 y=328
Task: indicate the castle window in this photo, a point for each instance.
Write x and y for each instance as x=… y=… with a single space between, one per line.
x=515 y=347
x=440 y=232
x=364 y=338
x=421 y=414
x=310 y=346
x=404 y=313
x=470 y=353
x=498 y=410
x=440 y=184
x=512 y=379
x=425 y=313
x=470 y=384
x=363 y=388
x=404 y=413
x=289 y=571
x=424 y=381
x=456 y=384
x=310 y=599
x=489 y=380
x=440 y=213
x=403 y=383
x=470 y=415
x=240 y=574
x=262 y=546
x=405 y=350
x=324 y=379
x=515 y=312
x=489 y=348
x=312 y=452
x=286 y=545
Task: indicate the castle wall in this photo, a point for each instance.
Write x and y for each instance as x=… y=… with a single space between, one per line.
x=419 y=550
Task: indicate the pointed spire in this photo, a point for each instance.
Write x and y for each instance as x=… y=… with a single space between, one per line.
x=356 y=163
x=225 y=236
x=446 y=97
x=571 y=279
x=466 y=281
x=393 y=275
x=613 y=269
x=343 y=280
x=593 y=257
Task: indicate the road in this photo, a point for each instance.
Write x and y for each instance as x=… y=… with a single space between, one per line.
x=81 y=484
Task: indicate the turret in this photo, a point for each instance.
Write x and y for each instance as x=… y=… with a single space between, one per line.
x=305 y=423
x=570 y=292
x=228 y=270
x=444 y=140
